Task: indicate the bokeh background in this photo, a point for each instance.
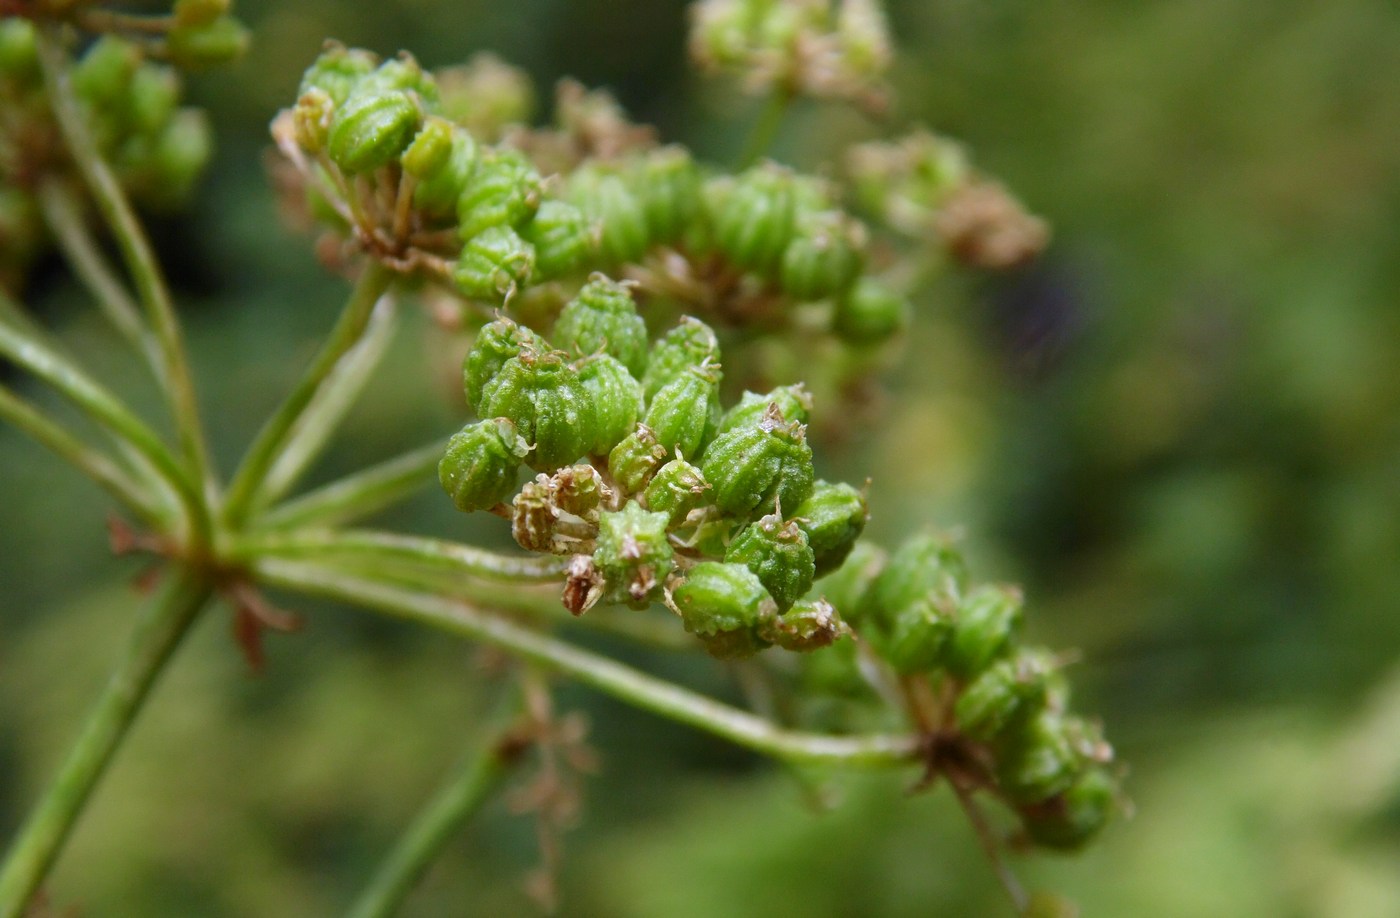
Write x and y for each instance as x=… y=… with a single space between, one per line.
x=1181 y=432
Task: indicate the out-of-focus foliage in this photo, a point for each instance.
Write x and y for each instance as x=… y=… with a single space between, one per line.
x=1180 y=430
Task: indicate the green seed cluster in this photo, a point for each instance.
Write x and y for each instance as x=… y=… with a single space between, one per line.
x=656 y=492
x=1006 y=705
x=195 y=34
x=157 y=148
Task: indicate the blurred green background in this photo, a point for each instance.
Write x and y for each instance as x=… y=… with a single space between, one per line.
x=1181 y=432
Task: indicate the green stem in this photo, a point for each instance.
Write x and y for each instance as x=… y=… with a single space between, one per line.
x=362 y=493
x=313 y=430
x=82 y=456
x=40 y=839
x=65 y=220
x=434 y=553
x=765 y=129
x=105 y=409
x=443 y=817
x=244 y=489
x=136 y=249
x=606 y=675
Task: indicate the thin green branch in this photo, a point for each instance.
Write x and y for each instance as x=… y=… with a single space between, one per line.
x=622 y=682
x=136 y=249
x=362 y=493
x=37 y=845
x=82 y=456
x=343 y=386
x=765 y=129
x=435 y=553
x=104 y=408
x=471 y=783
x=244 y=489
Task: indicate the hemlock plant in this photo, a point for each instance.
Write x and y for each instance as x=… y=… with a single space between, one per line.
x=613 y=288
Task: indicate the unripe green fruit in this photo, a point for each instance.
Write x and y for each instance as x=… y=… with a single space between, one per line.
x=207 y=44
x=869 y=313
x=561 y=236
x=723 y=605
x=824 y=257
x=755 y=223
x=494 y=264
x=19 y=52
x=794 y=404
x=989 y=619
x=636 y=459
x=1067 y=821
x=1041 y=759
x=479 y=468
x=404 y=74
x=199 y=12
x=926 y=568
x=913 y=637
x=810 y=624
x=603 y=318
x=779 y=554
x=617 y=400
x=1006 y=691
x=371 y=129
x=152 y=97
x=833 y=519
x=496 y=343
x=680 y=412
x=677 y=488
x=337 y=71
x=633 y=555
x=102 y=76
x=504 y=191
x=754 y=466
x=430 y=150
x=668 y=184
x=438 y=190
x=690 y=344
x=181 y=153
x=606 y=201
x=543 y=396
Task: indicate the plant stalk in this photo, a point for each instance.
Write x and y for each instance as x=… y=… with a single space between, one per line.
x=361 y=493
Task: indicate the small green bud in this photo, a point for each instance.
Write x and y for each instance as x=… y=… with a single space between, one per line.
x=824 y=257
x=543 y=396
x=779 y=554
x=151 y=100
x=430 y=150
x=19 y=52
x=371 y=129
x=848 y=585
x=561 y=237
x=1006 y=691
x=1068 y=820
x=925 y=568
x=102 y=76
x=794 y=404
x=496 y=343
x=668 y=184
x=676 y=489
x=311 y=119
x=633 y=555
x=504 y=191
x=603 y=318
x=337 y=71
x=606 y=201
x=810 y=624
x=634 y=460
x=494 y=265
x=403 y=74
x=680 y=412
x=753 y=466
x=690 y=344
x=1042 y=759
x=181 y=153
x=755 y=223
x=723 y=605
x=914 y=636
x=207 y=44
x=438 y=191
x=988 y=620
x=833 y=518
x=479 y=469
x=870 y=313
x=199 y=12
x=617 y=400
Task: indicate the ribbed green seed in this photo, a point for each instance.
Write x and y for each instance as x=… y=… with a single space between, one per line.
x=679 y=413
x=337 y=71
x=543 y=396
x=504 y=191
x=870 y=312
x=494 y=264
x=690 y=344
x=636 y=459
x=754 y=466
x=496 y=343
x=824 y=257
x=723 y=604
x=668 y=184
x=371 y=129
x=617 y=400
x=633 y=555
x=989 y=619
x=561 y=236
x=603 y=318
x=677 y=488
x=608 y=203
x=480 y=466
x=833 y=518
x=755 y=223
x=778 y=553
x=794 y=404
x=439 y=189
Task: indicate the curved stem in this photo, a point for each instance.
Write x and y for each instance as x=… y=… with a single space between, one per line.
x=136 y=249
x=362 y=493
x=435 y=825
x=310 y=434
x=85 y=458
x=271 y=440
x=622 y=682
x=105 y=409
x=435 y=553
x=40 y=839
